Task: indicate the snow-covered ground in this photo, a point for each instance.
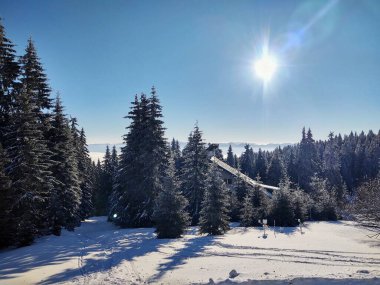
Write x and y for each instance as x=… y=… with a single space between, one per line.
x=100 y=253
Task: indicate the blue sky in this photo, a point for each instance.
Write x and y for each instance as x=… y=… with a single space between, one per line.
x=199 y=55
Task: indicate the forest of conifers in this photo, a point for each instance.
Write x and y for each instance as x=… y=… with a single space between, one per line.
x=49 y=183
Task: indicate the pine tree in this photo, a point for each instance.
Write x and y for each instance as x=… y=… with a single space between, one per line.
x=236 y=159
x=275 y=168
x=86 y=177
x=247 y=216
x=66 y=196
x=307 y=160
x=282 y=205
x=170 y=214
x=214 y=214
x=260 y=166
x=324 y=196
x=255 y=206
x=331 y=164
x=142 y=164
x=176 y=155
x=34 y=80
x=230 y=157
x=366 y=207
x=247 y=161
x=9 y=71
x=29 y=170
x=100 y=194
x=241 y=188
x=194 y=173
x=5 y=201
x=107 y=173
x=300 y=203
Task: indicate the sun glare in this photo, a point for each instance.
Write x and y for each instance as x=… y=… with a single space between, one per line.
x=265 y=67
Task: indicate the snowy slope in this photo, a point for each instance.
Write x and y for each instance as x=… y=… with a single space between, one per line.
x=100 y=253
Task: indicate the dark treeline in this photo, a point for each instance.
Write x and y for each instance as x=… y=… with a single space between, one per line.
x=45 y=169
x=344 y=162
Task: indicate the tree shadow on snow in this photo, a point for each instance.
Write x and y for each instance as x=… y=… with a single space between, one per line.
x=109 y=252
x=47 y=251
x=193 y=247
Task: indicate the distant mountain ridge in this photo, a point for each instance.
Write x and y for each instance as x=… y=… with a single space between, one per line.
x=97 y=150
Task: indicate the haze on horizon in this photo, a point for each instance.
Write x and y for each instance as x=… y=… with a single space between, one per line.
x=200 y=56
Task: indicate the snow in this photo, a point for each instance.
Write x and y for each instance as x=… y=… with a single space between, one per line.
x=100 y=253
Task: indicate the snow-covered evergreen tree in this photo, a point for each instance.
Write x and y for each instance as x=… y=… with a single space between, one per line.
x=247 y=216
x=308 y=162
x=261 y=165
x=247 y=161
x=282 y=205
x=142 y=164
x=5 y=201
x=230 y=157
x=106 y=178
x=29 y=169
x=176 y=155
x=331 y=165
x=86 y=177
x=241 y=188
x=324 y=196
x=66 y=196
x=366 y=207
x=9 y=71
x=194 y=173
x=34 y=81
x=170 y=215
x=255 y=206
x=214 y=217
x=275 y=168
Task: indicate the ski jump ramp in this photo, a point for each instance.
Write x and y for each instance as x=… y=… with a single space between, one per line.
x=267 y=189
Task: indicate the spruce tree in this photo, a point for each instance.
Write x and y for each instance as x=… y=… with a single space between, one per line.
x=331 y=164
x=214 y=214
x=282 y=205
x=86 y=177
x=176 y=155
x=236 y=159
x=324 y=196
x=248 y=217
x=255 y=206
x=260 y=166
x=29 y=169
x=240 y=188
x=247 y=161
x=275 y=168
x=106 y=184
x=230 y=157
x=142 y=164
x=5 y=201
x=34 y=80
x=194 y=173
x=9 y=71
x=114 y=162
x=100 y=194
x=66 y=196
x=307 y=160
x=170 y=215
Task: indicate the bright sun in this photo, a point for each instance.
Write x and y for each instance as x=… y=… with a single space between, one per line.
x=265 y=67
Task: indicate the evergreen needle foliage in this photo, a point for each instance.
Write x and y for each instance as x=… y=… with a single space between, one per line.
x=214 y=219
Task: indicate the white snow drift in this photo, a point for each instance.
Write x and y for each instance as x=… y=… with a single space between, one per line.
x=100 y=253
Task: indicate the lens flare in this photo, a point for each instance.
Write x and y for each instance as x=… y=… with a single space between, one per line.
x=265 y=67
